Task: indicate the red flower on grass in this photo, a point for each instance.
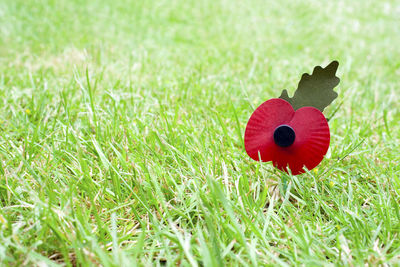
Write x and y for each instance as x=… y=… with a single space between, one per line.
x=290 y=139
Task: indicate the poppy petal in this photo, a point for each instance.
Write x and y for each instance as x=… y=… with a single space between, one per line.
x=258 y=137
x=311 y=144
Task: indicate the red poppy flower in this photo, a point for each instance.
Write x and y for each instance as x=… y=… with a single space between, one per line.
x=290 y=139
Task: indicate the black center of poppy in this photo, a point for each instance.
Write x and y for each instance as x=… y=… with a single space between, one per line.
x=284 y=135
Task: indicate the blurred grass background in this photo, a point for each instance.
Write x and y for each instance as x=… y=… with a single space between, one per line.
x=122 y=133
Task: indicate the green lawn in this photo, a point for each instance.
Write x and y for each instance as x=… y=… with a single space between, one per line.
x=122 y=129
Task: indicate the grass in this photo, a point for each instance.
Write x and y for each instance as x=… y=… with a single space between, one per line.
x=122 y=133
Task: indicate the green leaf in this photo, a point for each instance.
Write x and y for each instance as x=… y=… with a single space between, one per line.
x=315 y=90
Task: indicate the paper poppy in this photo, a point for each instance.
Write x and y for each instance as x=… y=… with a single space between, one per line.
x=295 y=139
x=292 y=132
